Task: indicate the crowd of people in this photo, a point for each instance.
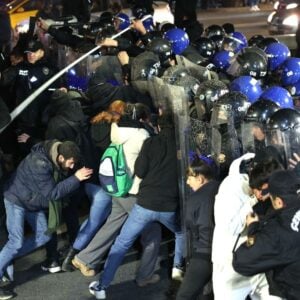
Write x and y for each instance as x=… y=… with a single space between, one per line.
x=236 y=219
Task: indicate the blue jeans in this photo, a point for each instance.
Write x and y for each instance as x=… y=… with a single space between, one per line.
x=99 y=211
x=17 y=245
x=138 y=219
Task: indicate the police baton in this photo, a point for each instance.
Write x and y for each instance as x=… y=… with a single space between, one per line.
x=36 y=93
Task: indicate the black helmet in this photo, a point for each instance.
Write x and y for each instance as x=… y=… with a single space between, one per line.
x=106 y=18
x=214 y=30
x=173 y=73
x=207 y=93
x=190 y=85
x=284 y=119
x=205 y=47
x=267 y=41
x=253 y=62
x=255 y=40
x=228 y=28
x=139 y=12
x=166 y=26
x=145 y=66
x=236 y=103
x=260 y=111
x=218 y=40
x=161 y=47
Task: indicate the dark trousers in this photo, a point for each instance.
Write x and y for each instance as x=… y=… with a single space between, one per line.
x=197 y=275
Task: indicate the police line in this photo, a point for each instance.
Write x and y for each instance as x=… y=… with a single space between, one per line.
x=43 y=87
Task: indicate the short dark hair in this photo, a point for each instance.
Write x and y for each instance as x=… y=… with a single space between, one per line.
x=199 y=167
x=166 y=120
x=261 y=172
x=69 y=149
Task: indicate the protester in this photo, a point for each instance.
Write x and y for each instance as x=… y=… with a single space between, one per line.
x=38 y=184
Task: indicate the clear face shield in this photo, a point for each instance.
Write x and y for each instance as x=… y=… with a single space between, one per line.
x=284 y=142
x=253 y=136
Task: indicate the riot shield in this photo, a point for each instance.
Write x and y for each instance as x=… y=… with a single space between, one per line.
x=284 y=143
x=145 y=66
x=253 y=137
x=158 y=92
x=225 y=144
x=199 y=72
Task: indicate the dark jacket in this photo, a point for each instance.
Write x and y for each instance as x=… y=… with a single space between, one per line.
x=32 y=186
x=68 y=123
x=275 y=249
x=200 y=218
x=157 y=166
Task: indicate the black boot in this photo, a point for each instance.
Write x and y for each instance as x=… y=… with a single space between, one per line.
x=67 y=264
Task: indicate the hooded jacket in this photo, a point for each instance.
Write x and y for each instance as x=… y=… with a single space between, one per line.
x=275 y=250
x=32 y=186
x=232 y=204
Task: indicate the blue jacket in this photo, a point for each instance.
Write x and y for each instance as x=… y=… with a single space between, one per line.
x=32 y=186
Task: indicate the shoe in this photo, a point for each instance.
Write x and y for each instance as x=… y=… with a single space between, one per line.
x=153 y=279
x=177 y=274
x=50 y=265
x=67 y=263
x=252 y=8
x=5 y=294
x=96 y=290
x=257 y=8
x=85 y=271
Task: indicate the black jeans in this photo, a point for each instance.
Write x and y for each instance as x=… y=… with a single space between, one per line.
x=197 y=275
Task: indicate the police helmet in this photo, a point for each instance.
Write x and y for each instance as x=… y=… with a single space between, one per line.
x=222 y=59
x=214 y=30
x=267 y=41
x=161 y=47
x=205 y=47
x=277 y=53
x=284 y=119
x=123 y=21
x=290 y=71
x=260 y=111
x=279 y=95
x=255 y=40
x=237 y=103
x=247 y=85
x=179 y=40
x=253 y=62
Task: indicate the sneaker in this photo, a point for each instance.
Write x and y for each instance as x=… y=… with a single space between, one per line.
x=256 y=8
x=96 y=290
x=153 y=279
x=252 y=8
x=50 y=265
x=86 y=271
x=177 y=274
x=5 y=294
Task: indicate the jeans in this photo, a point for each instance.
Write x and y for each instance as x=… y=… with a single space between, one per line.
x=17 y=245
x=99 y=211
x=138 y=219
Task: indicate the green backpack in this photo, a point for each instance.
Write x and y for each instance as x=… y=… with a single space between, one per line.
x=113 y=174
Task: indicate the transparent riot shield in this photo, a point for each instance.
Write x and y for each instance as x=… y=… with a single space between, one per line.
x=253 y=137
x=225 y=144
x=199 y=72
x=159 y=93
x=284 y=143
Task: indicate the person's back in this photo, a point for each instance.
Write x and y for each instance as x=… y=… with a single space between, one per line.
x=158 y=190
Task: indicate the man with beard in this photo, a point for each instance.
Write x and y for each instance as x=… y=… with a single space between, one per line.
x=40 y=179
